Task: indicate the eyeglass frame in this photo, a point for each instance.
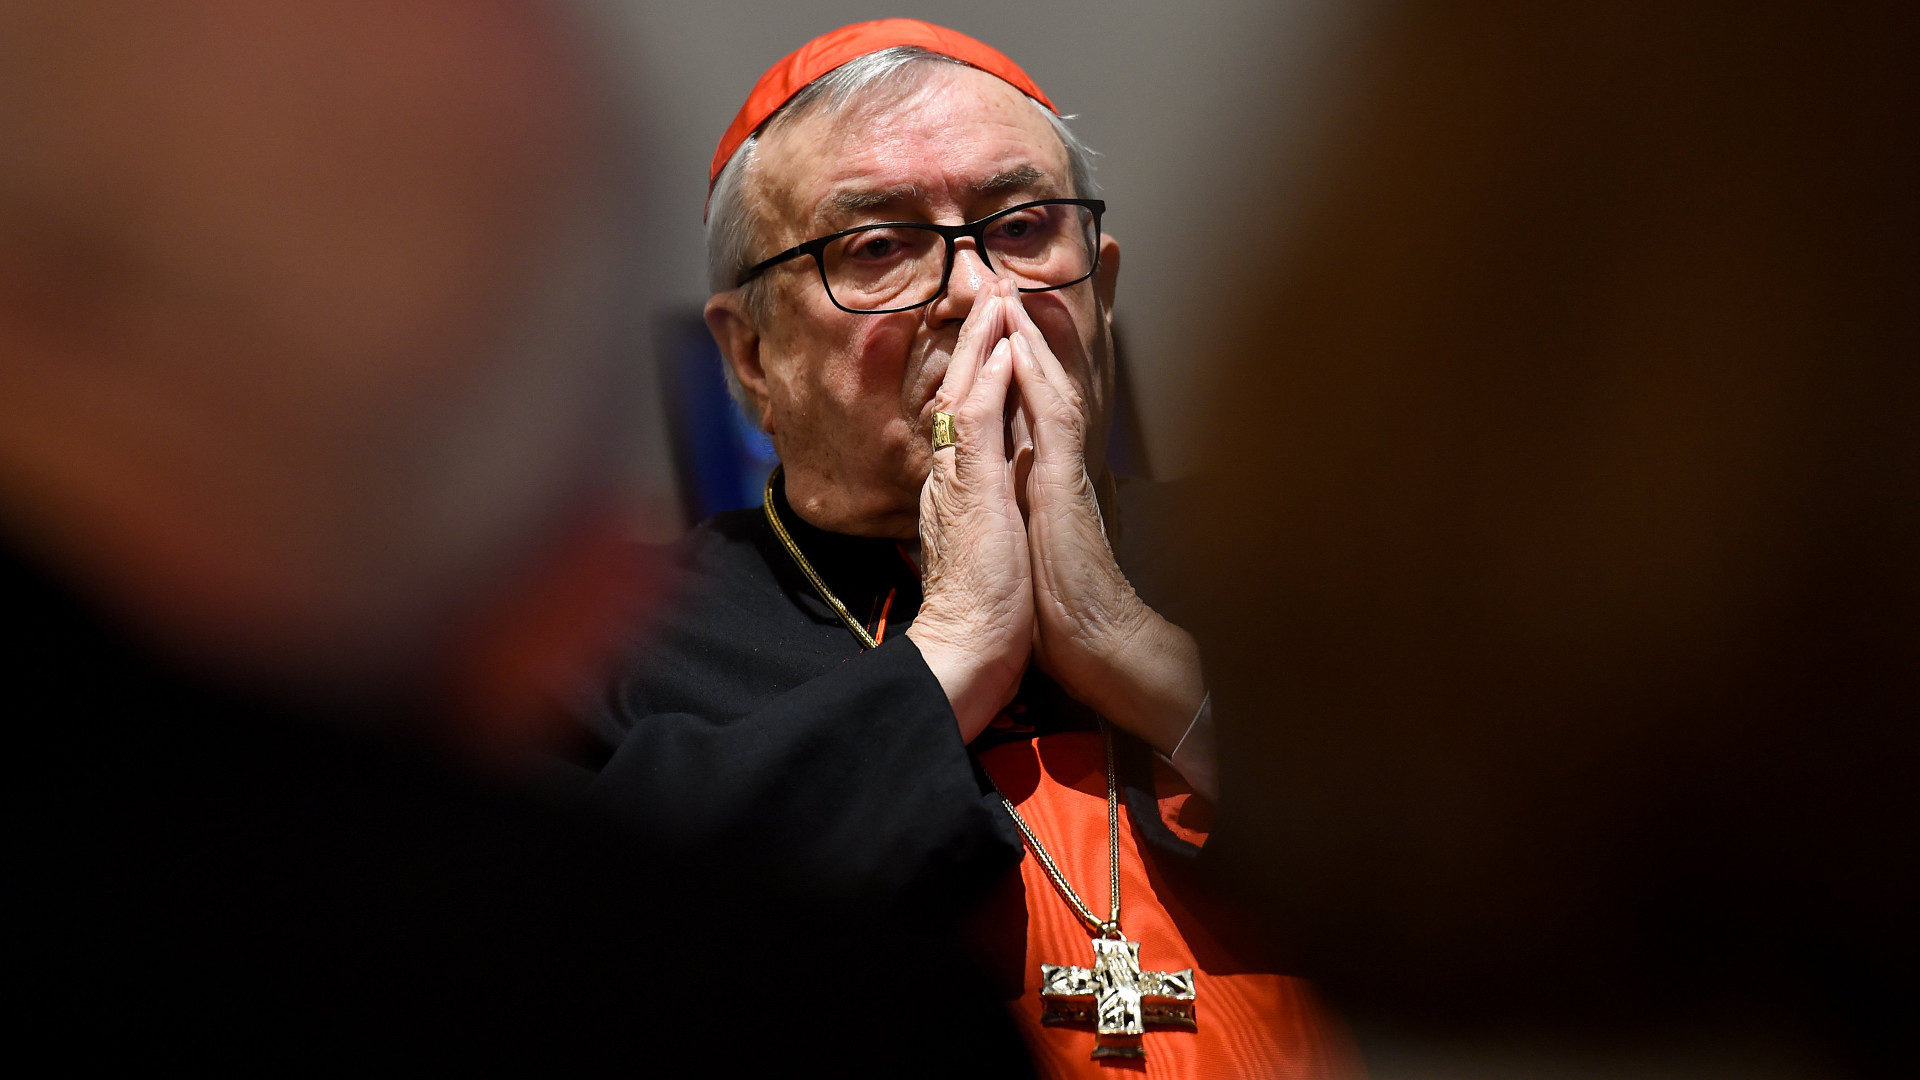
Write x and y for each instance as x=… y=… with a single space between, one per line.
x=977 y=229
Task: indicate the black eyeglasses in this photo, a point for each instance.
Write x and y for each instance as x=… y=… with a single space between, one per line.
x=901 y=265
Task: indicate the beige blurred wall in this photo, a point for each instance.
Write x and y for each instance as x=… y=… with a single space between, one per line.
x=1178 y=99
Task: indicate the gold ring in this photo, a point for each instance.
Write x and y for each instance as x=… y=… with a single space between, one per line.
x=942 y=430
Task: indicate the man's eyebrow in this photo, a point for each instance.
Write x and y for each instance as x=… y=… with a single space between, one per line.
x=852 y=202
x=858 y=200
x=1024 y=176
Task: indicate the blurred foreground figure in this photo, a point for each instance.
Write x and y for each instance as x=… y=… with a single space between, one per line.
x=1571 y=451
x=308 y=383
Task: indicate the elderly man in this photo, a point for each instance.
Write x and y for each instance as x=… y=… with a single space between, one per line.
x=914 y=297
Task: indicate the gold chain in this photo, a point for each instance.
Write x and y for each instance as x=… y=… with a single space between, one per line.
x=1111 y=926
x=819 y=586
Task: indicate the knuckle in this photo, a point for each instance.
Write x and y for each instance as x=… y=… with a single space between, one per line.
x=974 y=414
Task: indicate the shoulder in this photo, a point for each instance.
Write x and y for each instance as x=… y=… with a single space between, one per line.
x=733 y=627
x=727 y=577
x=726 y=544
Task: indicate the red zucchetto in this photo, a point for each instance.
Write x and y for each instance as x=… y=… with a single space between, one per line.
x=836 y=47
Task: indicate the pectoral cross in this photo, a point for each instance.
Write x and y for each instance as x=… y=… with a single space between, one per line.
x=1116 y=997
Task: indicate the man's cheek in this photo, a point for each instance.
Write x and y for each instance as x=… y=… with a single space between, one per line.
x=882 y=343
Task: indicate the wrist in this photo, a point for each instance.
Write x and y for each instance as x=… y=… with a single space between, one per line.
x=1194 y=757
x=1151 y=683
x=976 y=678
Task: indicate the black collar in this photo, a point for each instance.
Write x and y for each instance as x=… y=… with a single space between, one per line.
x=856 y=568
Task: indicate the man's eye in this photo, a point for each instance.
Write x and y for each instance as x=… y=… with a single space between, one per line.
x=1019 y=228
x=880 y=245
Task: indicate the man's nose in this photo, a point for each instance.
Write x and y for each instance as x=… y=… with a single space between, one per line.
x=971 y=275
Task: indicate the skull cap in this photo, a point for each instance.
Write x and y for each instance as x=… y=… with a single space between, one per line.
x=836 y=47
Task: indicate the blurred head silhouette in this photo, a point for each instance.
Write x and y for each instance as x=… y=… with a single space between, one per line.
x=308 y=322
x=1571 y=450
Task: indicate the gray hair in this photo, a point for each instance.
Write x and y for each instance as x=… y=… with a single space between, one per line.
x=733 y=228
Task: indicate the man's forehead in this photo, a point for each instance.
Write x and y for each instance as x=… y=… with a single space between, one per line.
x=962 y=135
x=855 y=194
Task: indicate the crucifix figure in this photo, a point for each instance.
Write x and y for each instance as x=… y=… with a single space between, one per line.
x=1117 y=997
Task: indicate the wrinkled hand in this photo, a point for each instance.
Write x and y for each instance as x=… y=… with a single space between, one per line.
x=1092 y=633
x=975 y=627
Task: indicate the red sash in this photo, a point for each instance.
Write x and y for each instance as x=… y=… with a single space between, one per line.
x=1250 y=1024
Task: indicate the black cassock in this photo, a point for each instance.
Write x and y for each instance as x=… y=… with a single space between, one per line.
x=200 y=873
x=751 y=728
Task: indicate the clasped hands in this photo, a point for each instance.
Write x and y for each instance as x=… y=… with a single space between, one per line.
x=1014 y=552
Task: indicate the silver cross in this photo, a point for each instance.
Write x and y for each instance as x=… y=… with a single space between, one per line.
x=1116 y=997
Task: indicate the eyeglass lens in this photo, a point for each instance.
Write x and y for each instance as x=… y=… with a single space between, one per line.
x=1040 y=246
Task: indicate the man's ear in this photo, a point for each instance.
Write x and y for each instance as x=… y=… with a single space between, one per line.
x=734 y=331
x=1107 y=275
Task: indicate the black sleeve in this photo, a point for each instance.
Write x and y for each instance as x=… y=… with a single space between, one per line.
x=852 y=786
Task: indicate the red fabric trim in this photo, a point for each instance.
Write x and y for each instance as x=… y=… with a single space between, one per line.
x=1252 y=1023
x=880 y=632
